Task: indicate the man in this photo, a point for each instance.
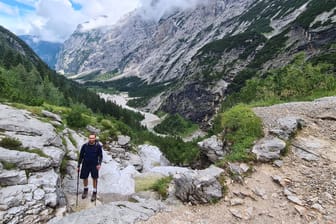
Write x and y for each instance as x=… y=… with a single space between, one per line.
x=90 y=157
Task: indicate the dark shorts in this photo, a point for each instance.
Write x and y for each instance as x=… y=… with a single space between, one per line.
x=87 y=169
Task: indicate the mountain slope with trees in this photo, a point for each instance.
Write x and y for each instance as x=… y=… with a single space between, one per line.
x=206 y=52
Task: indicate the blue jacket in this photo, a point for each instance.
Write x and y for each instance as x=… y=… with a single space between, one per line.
x=91 y=154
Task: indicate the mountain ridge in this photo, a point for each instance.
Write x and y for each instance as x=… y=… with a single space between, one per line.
x=46 y=50
x=209 y=51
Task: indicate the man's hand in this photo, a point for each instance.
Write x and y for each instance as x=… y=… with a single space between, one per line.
x=98 y=167
x=78 y=169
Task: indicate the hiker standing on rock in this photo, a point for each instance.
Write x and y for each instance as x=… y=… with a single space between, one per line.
x=90 y=157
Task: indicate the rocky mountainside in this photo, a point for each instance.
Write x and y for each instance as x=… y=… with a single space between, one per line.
x=297 y=188
x=208 y=49
x=153 y=50
x=47 y=51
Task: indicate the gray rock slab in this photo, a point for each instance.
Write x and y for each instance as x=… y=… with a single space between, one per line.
x=13 y=177
x=24 y=160
x=114 y=213
x=32 y=132
x=269 y=148
x=151 y=157
x=47 y=178
x=56 y=155
x=14 y=196
x=49 y=114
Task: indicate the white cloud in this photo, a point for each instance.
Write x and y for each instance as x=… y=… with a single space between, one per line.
x=55 y=20
x=155 y=9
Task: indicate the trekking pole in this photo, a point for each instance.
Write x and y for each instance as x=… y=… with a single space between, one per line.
x=77 y=187
x=96 y=191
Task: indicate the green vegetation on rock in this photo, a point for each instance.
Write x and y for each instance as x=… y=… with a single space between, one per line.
x=176 y=125
x=241 y=128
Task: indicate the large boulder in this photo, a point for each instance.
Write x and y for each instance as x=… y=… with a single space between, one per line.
x=169 y=170
x=199 y=187
x=123 y=140
x=32 y=132
x=212 y=148
x=151 y=157
x=269 y=148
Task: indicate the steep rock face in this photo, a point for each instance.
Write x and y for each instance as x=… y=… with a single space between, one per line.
x=155 y=51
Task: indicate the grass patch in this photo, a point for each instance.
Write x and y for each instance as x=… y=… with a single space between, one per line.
x=15 y=144
x=153 y=182
x=10 y=143
x=161 y=186
x=146 y=183
x=36 y=151
x=8 y=166
x=37 y=110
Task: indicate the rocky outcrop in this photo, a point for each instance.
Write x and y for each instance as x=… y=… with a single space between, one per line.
x=30 y=191
x=199 y=187
x=24 y=160
x=116 y=212
x=151 y=157
x=269 y=148
x=212 y=148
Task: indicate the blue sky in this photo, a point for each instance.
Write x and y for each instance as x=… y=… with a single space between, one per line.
x=55 y=20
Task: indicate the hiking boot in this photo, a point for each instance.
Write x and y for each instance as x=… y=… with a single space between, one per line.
x=94 y=196
x=85 y=193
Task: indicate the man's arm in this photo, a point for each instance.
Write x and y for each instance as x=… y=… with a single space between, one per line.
x=100 y=154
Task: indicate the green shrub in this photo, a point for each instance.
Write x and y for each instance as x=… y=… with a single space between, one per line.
x=106 y=124
x=242 y=128
x=75 y=119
